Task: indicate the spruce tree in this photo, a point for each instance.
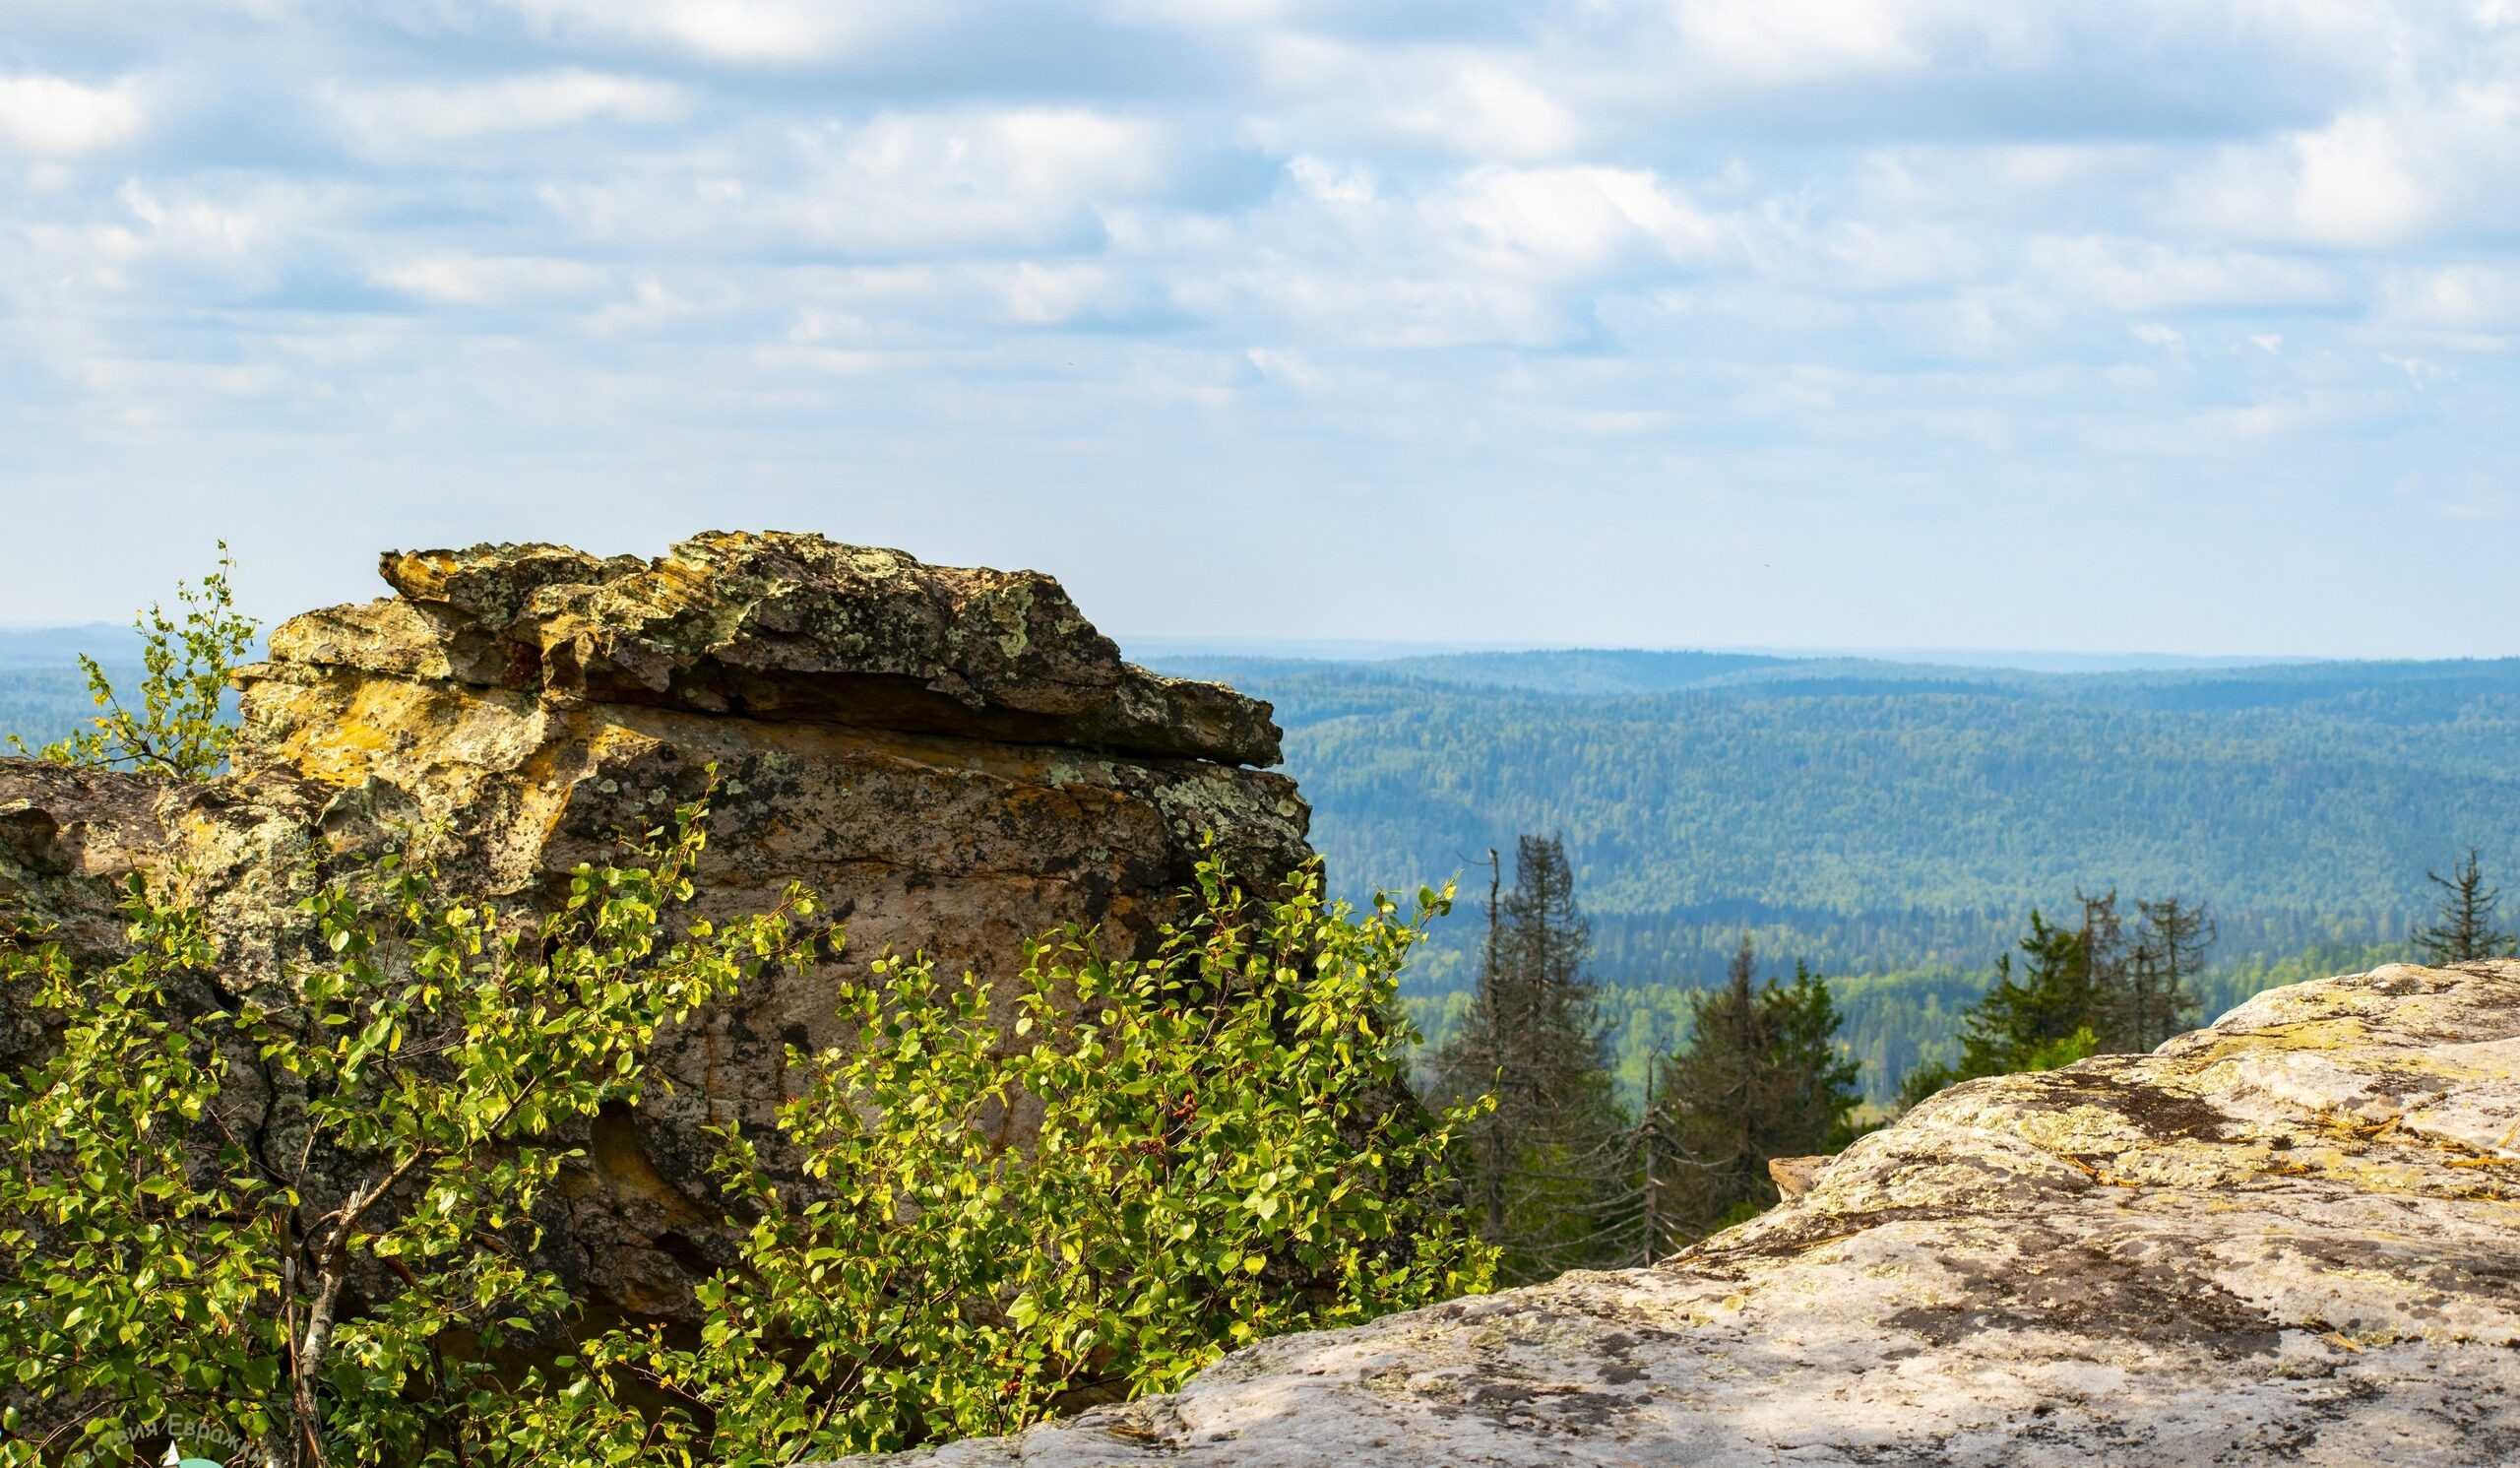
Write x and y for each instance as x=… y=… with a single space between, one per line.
x=1818 y=1090
x=1547 y=1164
x=2042 y=1012
x=2158 y=1002
x=1761 y=1078
x=1545 y=939
x=2080 y=991
x=2050 y=1001
x=2106 y=979
x=2466 y=931
x=1710 y=1095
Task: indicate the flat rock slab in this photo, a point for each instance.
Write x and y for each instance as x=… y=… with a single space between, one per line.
x=2294 y=1237
x=774 y=626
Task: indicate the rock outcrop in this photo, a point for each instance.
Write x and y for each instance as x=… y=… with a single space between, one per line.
x=955 y=759
x=2294 y=1237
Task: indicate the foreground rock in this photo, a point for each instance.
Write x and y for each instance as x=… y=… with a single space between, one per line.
x=2294 y=1237
x=955 y=759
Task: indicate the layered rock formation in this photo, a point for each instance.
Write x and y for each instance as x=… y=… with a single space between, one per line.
x=2294 y=1237
x=955 y=759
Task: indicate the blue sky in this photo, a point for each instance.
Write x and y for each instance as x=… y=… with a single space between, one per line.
x=2185 y=327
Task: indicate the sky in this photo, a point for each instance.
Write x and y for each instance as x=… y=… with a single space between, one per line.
x=2183 y=327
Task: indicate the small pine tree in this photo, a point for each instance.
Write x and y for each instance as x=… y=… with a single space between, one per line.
x=2080 y=991
x=2466 y=930
x=1818 y=1089
x=2158 y=1000
x=2051 y=999
x=1711 y=1094
x=1761 y=1078
x=1545 y=1164
x=2106 y=976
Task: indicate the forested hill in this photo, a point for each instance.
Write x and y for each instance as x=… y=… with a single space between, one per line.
x=1875 y=816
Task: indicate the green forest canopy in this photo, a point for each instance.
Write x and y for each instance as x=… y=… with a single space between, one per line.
x=1893 y=824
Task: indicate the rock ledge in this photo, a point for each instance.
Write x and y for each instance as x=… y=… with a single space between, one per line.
x=773 y=626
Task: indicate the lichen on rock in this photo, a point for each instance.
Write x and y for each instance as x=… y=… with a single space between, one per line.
x=2288 y=1238
x=773 y=626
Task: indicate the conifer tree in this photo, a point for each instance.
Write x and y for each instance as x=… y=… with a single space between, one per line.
x=2050 y=1002
x=2466 y=930
x=2036 y=1015
x=2080 y=991
x=1761 y=1078
x=2158 y=1002
x=1547 y=1164
x=1819 y=1094
x=2105 y=973
x=1546 y=1002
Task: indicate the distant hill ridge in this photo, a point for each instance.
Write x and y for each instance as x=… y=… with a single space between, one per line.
x=1615 y=671
x=1173 y=648
x=61 y=647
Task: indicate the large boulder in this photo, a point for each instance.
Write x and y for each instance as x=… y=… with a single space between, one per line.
x=2290 y=1238
x=955 y=759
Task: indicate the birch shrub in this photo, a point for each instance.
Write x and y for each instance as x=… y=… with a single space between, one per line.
x=1226 y=1150
x=299 y=1217
x=199 y=1185
x=178 y=727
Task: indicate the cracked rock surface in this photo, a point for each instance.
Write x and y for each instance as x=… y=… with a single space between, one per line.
x=954 y=758
x=2290 y=1238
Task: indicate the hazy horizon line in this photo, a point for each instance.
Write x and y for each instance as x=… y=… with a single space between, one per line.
x=1367 y=648
x=1376 y=649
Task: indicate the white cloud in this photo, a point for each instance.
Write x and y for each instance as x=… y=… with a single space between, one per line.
x=1329 y=183
x=1775 y=42
x=651 y=306
x=49 y=116
x=241 y=231
x=2310 y=413
x=2418 y=372
x=900 y=182
x=1861 y=255
x=1228 y=14
x=1461 y=102
x=2139 y=275
x=392 y=119
x=1842 y=248
x=2050 y=165
x=458 y=280
x=1490 y=254
x=1572 y=222
x=2355 y=183
x=2435 y=164
x=1487 y=110
x=1611 y=422
x=778 y=32
x=1036 y=294
x=1290 y=368
x=1350 y=309
x=2466 y=298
